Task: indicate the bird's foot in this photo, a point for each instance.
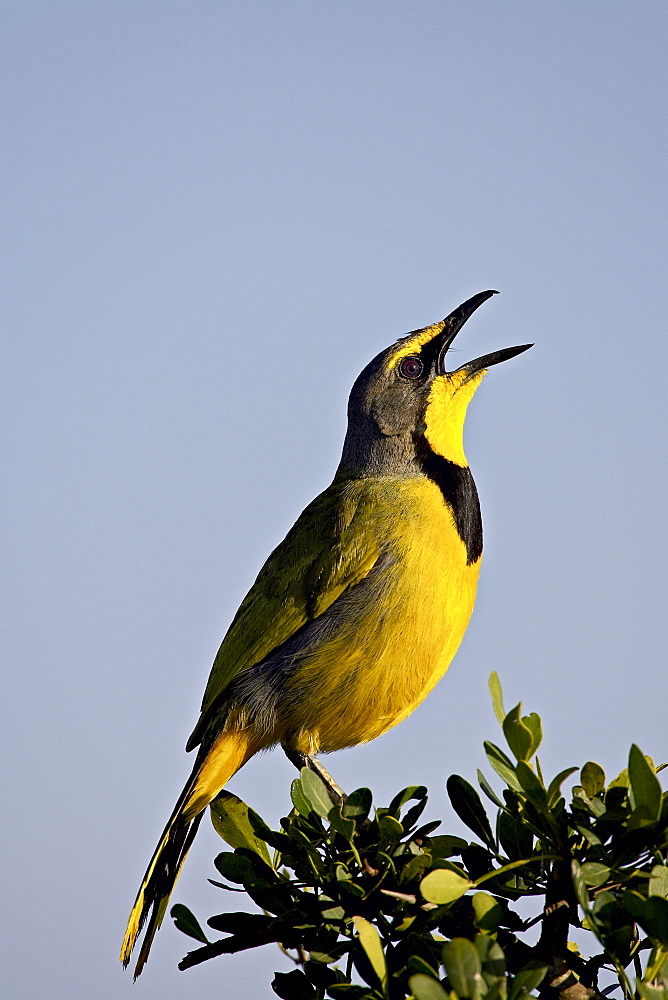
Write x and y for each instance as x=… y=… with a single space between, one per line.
x=301 y=760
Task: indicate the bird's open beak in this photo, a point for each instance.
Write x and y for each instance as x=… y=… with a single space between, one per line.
x=453 y=323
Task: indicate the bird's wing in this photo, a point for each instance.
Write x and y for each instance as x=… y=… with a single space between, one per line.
x=330 y=548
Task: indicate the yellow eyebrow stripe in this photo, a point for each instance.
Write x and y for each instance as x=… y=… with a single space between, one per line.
x=414 y=342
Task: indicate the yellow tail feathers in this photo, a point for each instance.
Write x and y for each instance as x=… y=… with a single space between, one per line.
x=230 y=751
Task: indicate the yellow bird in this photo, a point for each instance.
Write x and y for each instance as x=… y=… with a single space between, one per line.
x=357 y=614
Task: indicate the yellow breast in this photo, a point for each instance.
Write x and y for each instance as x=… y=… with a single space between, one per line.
x=380 y=666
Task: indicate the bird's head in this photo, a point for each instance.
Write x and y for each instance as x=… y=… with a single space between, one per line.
x=407 y=393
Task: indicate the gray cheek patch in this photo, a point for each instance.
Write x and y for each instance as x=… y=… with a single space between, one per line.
x=400 y=407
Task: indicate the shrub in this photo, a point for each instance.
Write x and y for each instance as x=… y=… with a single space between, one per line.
x=373 y=905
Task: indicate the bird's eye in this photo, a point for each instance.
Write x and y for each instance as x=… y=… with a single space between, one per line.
x=411 y=367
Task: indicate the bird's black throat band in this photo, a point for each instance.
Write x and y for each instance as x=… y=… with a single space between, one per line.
x=459 y=492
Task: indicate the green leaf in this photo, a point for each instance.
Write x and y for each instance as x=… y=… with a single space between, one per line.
x=553 y=792
x=299 y=800
x=400 y=800
x=588 y=835
x=414 y=868
x=532 y=786
x=426 y=988
x=373 y=948
x=488 y=912
x=419 y=965
x=658 y=881
x=647 y=991
x=446 y=846
x=489 y=791
x=651 y=914
x=343 y=825
x=581 y=801
x=443 y=886
x=304 y=846
x=424 y=831
x=497 y=696
x=350 y=991
x=641 y=817
x=595 y=874
x=597 y=807
x=659 y=970
x=334 y=913
x=656 y=919
x=512 y=866
x=535 y=726
x=464 y=969
x=245 y=924
x=357 y=805
x=592 y=778
x=580 y=886
x=523 y=732
x=315 y=792
x=518 y=734
x=351 y=889
x=468 y=806
x=498 y=990
x=621 y=781
x=187 y=922
x=492 y=958
x=412 y=815
x=515 y=837
x=608 y=910
x=526 y=980
x=240 y=869
x=318 y=959
x=645 y=787
x=292 y=986
x=634 y=903
x=389 y=827
x=231 y=820
x=502 y=765
x=277 y=900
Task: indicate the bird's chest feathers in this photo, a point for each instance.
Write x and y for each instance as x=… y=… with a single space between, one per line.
x=437 y=585
x=403 y=641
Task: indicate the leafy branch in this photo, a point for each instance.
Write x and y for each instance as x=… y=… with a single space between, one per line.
x=373 y=905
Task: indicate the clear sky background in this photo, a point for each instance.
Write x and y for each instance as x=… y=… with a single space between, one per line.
x=215 y=214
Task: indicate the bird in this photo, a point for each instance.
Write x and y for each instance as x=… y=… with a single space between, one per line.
x=358 y=612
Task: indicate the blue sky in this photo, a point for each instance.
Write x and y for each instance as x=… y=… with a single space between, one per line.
x=215 y=214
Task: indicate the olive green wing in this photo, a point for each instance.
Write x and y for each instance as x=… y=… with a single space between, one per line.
x=331 y=547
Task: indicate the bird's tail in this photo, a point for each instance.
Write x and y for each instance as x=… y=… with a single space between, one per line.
x=230 y=751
